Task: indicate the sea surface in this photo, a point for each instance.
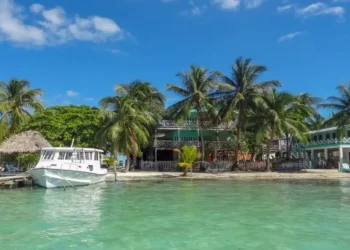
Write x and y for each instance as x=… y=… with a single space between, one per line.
x=174 y=214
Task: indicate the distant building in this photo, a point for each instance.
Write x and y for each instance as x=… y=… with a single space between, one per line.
x=324 y=149
x=171 y=134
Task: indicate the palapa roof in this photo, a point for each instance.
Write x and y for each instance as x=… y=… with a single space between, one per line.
x=25 y=142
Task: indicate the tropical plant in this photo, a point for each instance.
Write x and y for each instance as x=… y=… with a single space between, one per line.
x=198 y=84
x=61 y=124
x=238 y=94
x=316 y=122
x=188 y=155
x=127 y=117
x=277 y=116
x=28 y=160
x=341 y=106
x=17 y=101
x=303 y=109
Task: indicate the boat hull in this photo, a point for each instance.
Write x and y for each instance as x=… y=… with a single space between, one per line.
x=54 y=178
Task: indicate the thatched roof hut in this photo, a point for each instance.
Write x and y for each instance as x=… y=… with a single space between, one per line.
x=25 y=142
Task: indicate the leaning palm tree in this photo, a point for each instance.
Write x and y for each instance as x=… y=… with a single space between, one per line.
x=277 y=114
x=316 y=122
x=16 y=102
x=197 y=83
x=238 y=94
x=341 y=107
x=128 y=116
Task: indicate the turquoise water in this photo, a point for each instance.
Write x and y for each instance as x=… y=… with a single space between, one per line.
x=179 y=215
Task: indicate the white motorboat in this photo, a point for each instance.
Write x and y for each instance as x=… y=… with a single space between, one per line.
x=64 y=167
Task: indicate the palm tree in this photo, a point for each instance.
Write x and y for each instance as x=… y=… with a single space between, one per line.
x=189 y=155
x=198 y=83
x=238 y=95
x=128 y=116
x=278 y=116
x=17 y=100
x=316 y=122
x=341 y=106
x=304 y=108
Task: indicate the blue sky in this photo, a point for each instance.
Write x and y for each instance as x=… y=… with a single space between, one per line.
x=76 y=52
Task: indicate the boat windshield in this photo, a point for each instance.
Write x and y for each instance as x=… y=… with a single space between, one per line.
x=80 y=155
x=47 y=155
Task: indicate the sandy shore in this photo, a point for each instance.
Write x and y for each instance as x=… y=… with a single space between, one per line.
x=309 y=174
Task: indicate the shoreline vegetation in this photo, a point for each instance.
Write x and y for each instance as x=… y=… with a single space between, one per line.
x=125 y=123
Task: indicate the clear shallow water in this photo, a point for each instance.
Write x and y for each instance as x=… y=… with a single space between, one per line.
x=179 y=215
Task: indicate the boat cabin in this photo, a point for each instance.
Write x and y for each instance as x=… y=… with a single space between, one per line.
x=78 y=155
x=71 y=158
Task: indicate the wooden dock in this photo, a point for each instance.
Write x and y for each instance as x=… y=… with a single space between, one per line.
x=19 y=180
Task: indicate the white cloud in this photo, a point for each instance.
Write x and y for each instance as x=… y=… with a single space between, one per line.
x=71 y=93
x=227 y=4
x=37 y=8
x=251 y=4
x=13 y=29
x=55 y=16
x=284 y=8
x=105 y=25
x=317 y=9
x=195 y=10
x=289 y=36
x=117 y=51
x=52 y=26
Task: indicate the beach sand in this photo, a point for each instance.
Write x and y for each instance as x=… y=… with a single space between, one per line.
x=312 y=174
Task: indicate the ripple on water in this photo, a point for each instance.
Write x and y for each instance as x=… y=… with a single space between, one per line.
x=179 y=215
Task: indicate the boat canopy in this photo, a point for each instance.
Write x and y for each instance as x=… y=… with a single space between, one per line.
x=72 y=149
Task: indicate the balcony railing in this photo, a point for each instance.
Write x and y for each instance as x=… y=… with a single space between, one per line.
x=189 y=124
x=218 y=145
x=168 y=144
x=345 y=140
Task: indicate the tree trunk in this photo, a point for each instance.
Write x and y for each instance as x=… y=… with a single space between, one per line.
x=269 y=149
x=237 y=148
x=185 y=171
x=134 y=162
x=287 y=141
x=202 y=145
x=114 y=168
x=127 y=167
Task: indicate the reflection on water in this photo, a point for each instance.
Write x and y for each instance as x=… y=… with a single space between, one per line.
x=72 y=211
x=173 y=215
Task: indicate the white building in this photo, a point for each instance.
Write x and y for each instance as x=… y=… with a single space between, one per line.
x=325 y=148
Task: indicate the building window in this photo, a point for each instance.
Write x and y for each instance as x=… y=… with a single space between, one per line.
x=320 y=137
x=334 y=136
x=327 y=137
x=315 y=138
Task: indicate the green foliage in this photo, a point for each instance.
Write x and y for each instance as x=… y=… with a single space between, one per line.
x=341 y=105
x=110 y=161
x=197 y=85
x=60 y=124
x=16 y=102
x=189 y=155
x=127 y=117
x=28 y=160
x=277 y=116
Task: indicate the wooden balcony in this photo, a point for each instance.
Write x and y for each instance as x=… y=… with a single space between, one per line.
x=193 y=125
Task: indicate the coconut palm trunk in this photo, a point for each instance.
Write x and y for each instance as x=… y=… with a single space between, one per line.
x=127 y=167
x=185 y=172
x=269 y=148
x=114 y=168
